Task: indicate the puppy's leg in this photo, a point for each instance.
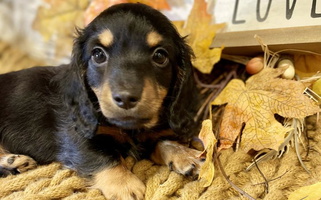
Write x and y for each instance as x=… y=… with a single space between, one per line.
x=13 y=164
x=178 y=158
x=118 y=183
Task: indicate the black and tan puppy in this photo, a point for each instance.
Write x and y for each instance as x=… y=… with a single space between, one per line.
x=130 y=69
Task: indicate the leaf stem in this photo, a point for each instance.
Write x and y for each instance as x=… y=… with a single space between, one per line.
x=242 y=192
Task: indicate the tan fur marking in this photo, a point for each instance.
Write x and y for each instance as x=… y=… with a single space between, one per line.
x=3 y=151
x=149 y=105
x=153 y=95
x=106 y=38
x=104 y=96
x=153 y=38
x=119 y=183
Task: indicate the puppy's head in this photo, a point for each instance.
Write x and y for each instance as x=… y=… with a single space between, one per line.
x=135 y=62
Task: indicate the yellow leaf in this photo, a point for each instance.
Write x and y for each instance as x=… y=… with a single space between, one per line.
x=310 y=192
x=60 y=17
x=306 y=65
x=201 y=33
x=317 y=87
x=255 y=103
x=205 y=61
x=56 y=23
x=206 y=134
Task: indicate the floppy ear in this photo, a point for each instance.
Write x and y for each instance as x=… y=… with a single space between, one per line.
x=186 y=97
x=78 y=108
x=79 y=59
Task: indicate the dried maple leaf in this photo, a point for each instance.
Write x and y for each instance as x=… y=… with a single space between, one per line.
x=255 y=104
x=206 y=135
x=201 y=33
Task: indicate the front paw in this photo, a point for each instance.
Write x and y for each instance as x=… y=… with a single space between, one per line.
x=17 y=163
x=118 y=183
x=186 y=161
x=179 y=158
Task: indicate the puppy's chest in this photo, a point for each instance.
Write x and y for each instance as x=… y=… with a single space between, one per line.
x=136 y=143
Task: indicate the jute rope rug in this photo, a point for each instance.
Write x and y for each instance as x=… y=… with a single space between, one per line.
x=283 y=175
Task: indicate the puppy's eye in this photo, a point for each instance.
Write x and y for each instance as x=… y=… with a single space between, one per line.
x=98 y=56
x=160 y=57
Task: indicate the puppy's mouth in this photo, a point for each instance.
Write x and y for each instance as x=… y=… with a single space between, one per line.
x=129 y=122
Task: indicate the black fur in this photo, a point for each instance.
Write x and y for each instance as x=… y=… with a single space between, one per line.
x=52 y=114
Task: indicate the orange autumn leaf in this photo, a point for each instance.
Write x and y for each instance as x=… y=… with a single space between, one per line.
x=206 y=135
x=201 y=32
x=97 y=6
x=255 y=103
x=157 y=4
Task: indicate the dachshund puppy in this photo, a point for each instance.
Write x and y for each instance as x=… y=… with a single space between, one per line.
x=130 y=69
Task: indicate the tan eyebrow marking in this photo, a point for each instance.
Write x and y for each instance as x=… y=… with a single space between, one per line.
x=106 y=37
x=153 y=38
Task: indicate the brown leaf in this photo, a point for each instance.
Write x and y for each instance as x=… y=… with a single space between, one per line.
x=206 y=135
x=201 y=33
x=255 y=103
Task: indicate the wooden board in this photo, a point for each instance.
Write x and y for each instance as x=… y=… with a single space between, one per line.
x=243 y=42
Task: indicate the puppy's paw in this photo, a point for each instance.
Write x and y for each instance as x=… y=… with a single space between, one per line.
x=17 y=163
x=118 y=183
x=179 y=158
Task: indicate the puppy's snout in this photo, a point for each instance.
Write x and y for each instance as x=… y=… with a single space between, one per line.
x=126 y=100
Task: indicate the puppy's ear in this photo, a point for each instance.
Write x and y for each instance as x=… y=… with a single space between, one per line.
x=78 y=107
x=186 y=97
x=79 y=61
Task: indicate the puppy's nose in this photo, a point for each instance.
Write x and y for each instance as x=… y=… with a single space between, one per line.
x=125 y=100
